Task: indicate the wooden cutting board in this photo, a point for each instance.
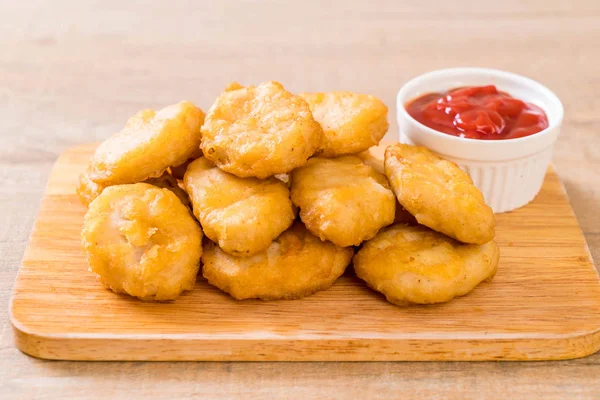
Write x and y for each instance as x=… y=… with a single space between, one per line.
x=544 y=303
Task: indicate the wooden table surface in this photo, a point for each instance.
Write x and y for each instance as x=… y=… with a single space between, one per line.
x=73 y=71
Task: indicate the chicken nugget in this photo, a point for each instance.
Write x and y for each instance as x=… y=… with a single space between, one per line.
x=243 y=215
x=140 y=240
x=88 y=190
x=413 y=264
x=259 y=131
x=150 y=143
x=295 y=265
x=439 y=194
x=351 y=122
x=342 y=200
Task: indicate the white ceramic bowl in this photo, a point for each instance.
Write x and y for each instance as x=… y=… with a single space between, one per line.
x=509 y=173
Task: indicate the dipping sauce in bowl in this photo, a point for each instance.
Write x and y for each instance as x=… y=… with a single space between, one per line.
x=478 y=112
x=507 y=142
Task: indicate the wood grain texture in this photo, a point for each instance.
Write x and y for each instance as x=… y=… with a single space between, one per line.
x=544 y=302
x=71 y=72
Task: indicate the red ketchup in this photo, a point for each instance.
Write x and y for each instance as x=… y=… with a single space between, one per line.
x=478 y=112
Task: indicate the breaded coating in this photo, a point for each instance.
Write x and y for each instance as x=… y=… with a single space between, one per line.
x=88 y=190
x=259 y=131
x=342 y=200
x=242 y=215
x=439 y=194
x=140 y=240
x=295 y=265
x=413 y=264
x=351 y=122
x=150 y=143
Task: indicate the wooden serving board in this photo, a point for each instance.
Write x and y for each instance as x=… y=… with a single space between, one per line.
x=544 y=303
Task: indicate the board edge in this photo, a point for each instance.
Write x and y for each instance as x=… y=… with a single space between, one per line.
x=164 y=348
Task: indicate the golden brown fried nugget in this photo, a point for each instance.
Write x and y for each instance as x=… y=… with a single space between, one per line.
x=342 y=200
x=413 y=264
x=295 y=265
x=142 y=241
x=88 y=190
x=149 y=144
x=439 y=194
x=243 y=215
x=351 y=122
x=259 y=131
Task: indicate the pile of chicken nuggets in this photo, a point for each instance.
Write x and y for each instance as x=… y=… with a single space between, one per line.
x=274 y=195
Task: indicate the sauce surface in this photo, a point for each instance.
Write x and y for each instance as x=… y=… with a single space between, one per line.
x=478 y=112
